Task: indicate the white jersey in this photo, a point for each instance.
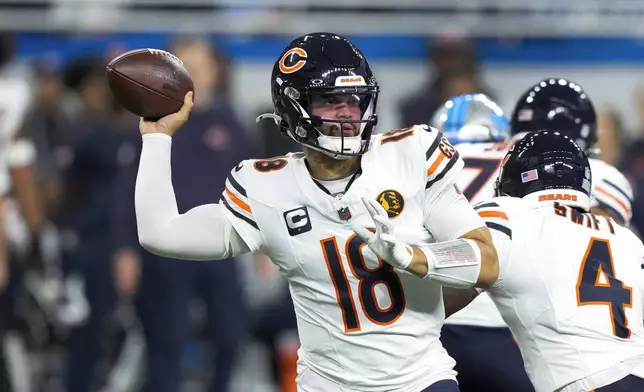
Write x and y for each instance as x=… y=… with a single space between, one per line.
x=362 y=325
x=611 y=191
x=571 y=288
x=14 y=103
x=481 y=169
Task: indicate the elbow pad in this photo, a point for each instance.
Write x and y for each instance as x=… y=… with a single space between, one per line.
x=455 y=264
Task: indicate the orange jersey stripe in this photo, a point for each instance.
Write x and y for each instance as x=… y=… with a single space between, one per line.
x=605 y=192
x=238 y=201
x=434 y=165
x=493 y=214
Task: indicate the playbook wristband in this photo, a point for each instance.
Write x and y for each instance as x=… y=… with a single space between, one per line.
x=455 y=264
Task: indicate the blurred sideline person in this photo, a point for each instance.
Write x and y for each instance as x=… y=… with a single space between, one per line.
x=98 y=148
x=21 y=203
x=212 y=141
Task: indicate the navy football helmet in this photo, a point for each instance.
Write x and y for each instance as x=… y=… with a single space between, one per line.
x=557 y=104
x=545 y=160
x=324 y=67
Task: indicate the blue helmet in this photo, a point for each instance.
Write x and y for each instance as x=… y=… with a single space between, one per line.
x=471 y=118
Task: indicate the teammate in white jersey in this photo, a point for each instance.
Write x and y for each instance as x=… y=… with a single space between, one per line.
x=563 y=105
x=14 y=103
x=571 y=283
x=363 y=325
x=487 y=357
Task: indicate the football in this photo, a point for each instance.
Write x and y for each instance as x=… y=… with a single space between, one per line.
x=150 y=83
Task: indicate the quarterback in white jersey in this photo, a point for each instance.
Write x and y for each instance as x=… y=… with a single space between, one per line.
x=571 y=285
x=563 y=105
x=478 y=129
x=14 y=103
x=364 y=325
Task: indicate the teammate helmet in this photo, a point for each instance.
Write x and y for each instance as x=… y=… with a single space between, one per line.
x=471 y=118
x=557 y=104
x=545 y=160
x=324 y=66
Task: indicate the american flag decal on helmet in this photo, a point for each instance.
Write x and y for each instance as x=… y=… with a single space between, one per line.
x=529 y=175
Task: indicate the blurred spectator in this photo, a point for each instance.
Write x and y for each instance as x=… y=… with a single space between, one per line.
x=453 y=69
x=610 y=133
x=48 y=126
x=633 y=167
x=97 y=153
x=204 y=152
x=22 y=216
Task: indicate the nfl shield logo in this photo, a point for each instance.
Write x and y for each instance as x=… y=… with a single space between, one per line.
x=344 y=213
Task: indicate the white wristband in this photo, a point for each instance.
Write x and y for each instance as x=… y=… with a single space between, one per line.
x=454 y=263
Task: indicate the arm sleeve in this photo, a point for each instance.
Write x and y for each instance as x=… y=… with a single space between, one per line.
x=203 y=233
x=448 y=215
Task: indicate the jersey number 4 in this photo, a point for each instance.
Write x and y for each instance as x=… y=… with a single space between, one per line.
x=597 y=285
x=368 y=278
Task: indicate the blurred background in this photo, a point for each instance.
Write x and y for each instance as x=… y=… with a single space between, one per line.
x=84 y=308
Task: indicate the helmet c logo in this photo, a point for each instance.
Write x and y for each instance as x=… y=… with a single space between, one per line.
x=291 y=55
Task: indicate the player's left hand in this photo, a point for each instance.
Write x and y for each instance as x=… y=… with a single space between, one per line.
x=384 y=242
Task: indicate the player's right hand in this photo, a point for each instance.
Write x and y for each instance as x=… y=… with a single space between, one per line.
x=383 y=241
x=170 y=124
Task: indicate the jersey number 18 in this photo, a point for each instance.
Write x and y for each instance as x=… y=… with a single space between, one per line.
x=368 y=278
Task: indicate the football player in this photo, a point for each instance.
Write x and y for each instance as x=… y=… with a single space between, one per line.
x=487 y=357
x=563 y=105
x=571 y=284
x=363 y=324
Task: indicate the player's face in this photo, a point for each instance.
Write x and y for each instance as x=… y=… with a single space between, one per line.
x=337 y=107
x=200 y=63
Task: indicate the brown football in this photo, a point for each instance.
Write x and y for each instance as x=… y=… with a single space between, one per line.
x=150 y=83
